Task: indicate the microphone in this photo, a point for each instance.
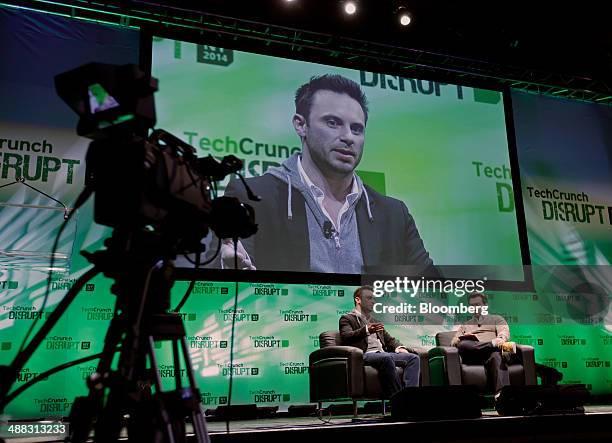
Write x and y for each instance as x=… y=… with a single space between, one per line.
x=328 y=229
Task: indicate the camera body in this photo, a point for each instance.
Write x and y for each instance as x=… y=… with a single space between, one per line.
x=140 y=181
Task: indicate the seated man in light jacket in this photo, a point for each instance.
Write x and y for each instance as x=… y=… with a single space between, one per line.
x=483 y=338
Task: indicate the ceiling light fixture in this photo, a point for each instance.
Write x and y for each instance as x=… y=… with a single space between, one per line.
x=403 y=16
x=350 y=7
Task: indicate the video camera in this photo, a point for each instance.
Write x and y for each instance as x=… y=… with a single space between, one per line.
x=153 y=181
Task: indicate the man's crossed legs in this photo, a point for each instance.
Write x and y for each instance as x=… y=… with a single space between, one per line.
x=385 y=363
x=484 y=352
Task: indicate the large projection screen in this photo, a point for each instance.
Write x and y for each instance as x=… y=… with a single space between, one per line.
x=442 y=150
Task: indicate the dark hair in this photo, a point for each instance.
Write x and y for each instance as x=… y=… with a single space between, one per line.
x=359 y=290
x=478 y=294
x=329 y=82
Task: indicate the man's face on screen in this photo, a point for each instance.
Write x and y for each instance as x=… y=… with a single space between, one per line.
x=334 y=132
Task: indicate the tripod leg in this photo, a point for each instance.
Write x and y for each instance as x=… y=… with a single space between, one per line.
x=109 y=424
x=166 y=423
x=197 y=416
x=81 y=419
x=86 y=409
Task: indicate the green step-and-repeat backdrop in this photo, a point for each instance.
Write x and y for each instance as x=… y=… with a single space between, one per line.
x=277 y=327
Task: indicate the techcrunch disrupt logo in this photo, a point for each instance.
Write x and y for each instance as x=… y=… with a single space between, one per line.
x=294 y=367
x=413 y=287
x=268 y=289
x=325 y=291
x=86 y=371
x=26 y=375
x=571 y=340
x=263 y=396
x=562 y=206
x=240 y=315
x=33 y=167
x=260 y=341
x=168 y=371
x=590 y=320
x=205 y=342
x=245 y=146
x=524 y=297
x=427 y=340
x=404 y=316
x=188 y=316
x=292 y=315
x=545 y=318
x=510 y=318
x=596 y=362
x=63 y=284
x=425 y=87
x=65 y=343
x=94 y=313
x=208 y=399
x=527 y=340
x=505 y=194
x=23 y=313
x=238 y=369
x=554 y=363
x=209 y=289
x=60 y=405
x=568 y=298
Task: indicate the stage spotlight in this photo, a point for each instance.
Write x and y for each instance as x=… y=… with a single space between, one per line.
x=403 y=16
x=350 y=7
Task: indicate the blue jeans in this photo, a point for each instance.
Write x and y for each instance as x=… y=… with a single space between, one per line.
x=385 y=363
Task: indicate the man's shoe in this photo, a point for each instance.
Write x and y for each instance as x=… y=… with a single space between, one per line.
x=508 y=346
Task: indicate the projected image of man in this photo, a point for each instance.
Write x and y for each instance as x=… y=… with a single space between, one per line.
x=316 y=214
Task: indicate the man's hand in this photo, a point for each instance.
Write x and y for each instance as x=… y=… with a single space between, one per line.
x=227 y=256
x=375 y=327
x=456 y=340
x=497 y=342
x=401 y=350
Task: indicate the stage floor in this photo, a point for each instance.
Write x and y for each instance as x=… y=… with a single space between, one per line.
x=217 y=427
x=593 y=426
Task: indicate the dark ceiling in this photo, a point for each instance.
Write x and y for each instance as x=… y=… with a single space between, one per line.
x=548 y=36
x=538 y=45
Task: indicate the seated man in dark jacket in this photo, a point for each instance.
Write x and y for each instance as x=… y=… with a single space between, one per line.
x=380 y=349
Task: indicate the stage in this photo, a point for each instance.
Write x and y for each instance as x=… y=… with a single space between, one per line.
x=593 y=426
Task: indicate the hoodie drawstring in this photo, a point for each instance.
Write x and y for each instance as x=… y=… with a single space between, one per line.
x=370 y=216
x=289 y=211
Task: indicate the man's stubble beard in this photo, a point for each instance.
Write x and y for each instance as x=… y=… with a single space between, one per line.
x=326 y=167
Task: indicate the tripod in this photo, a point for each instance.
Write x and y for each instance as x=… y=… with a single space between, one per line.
x=124 y=396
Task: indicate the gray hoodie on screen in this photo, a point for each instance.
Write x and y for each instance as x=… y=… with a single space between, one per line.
x=339 y=252
x=375 y=233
